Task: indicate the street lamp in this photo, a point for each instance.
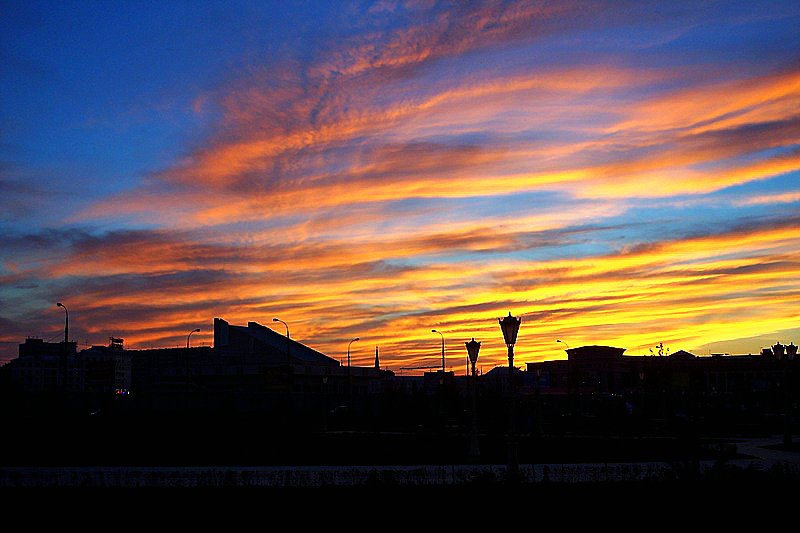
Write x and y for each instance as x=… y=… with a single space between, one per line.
x=440 y=333
x=189 y=336
x=66 y=323
x=289 y=371
x=288 y=354
x=510 y=327
x=473 y=347
x=562 y=342
x=187 y=369
x=64 y=365
x=348 y=349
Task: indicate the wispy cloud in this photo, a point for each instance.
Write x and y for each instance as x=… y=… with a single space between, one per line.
x=765 y=199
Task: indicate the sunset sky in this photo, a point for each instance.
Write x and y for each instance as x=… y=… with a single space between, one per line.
x=621 y=173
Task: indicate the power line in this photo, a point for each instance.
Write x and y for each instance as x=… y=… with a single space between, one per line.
x=54 y=336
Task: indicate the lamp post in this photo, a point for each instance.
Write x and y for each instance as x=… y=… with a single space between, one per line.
x=66 y=324
x=288 y=353
x=510 y=327
x=538 y=402
x=189 y=336
x=473 y=347
x=570 y=377
x=324 y=403
x=289 y=377
x=349 y=375
x=440 y=333
x=790 y=354
x=348 y=351
x=63 y=363
x=186 y=366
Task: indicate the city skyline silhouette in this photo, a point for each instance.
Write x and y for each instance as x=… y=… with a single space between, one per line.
x=399 y=244
x=263 y=405
x=445 y=355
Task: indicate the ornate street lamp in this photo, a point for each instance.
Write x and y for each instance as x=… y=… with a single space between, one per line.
x=510 y=327
x=473 y=347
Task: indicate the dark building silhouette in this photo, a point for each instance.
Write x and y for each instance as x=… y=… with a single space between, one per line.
x=249 y=370
x=598 y=389
x=605 y=370
x=254 y=369
x=49 y=367
x=258 y=344
x=106 y=368
x=497 y=380
x=33 y=347
x=597 y=368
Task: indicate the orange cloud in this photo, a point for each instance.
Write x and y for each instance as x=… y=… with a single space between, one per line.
x=685 y=291
x=719 y=105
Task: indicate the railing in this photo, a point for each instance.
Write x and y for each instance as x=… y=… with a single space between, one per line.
x=321 y=476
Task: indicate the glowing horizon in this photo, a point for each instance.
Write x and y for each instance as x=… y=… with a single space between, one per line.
x=620 y=174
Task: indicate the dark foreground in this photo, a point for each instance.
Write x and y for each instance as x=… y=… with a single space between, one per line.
x=726 y=499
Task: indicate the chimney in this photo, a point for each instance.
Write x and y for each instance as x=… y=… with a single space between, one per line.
x=377 y=361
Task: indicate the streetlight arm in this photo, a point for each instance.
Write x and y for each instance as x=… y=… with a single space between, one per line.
x=284 y=323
